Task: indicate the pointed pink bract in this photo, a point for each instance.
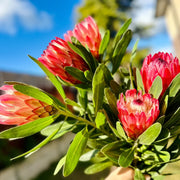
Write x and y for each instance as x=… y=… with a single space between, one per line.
x=87 y=32
x=17 y=108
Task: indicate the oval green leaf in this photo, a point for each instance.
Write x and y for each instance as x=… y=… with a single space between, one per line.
x=75 y=151
x=27 y=129
x=126 y=158
x=156 y=87
x=98 y=88
x=150 y=135
x=104 y=42
x=95 y=168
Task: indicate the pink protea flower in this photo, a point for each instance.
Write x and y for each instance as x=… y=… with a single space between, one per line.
x=160 y=64
x=17 y=108
x=58 y=55
x=137 y=112
x=88 y=34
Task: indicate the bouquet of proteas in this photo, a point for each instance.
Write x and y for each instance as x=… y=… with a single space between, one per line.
x=133 y=122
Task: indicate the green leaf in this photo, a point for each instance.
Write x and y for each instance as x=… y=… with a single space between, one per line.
x=138 y=175
x=33 y=92
x=156 y=87
x=104 y=42
x=121 y=31
x=112 y=150
x=100 y=120
x=164 y=156
x=71 y=102
x=173 y=120
x=150 y=135
x=140 y=85
x=107 y=74
x=88 y=75
x=126 y=158
x=51 y=77
x=116 y=88
x=27 y=129
x=120 y=50
x=87 y=56
x=174 y=86
x=130 y=66
x=76 y=73
x=60 y=165
x=75 y=151
x=111 y=118
x=89 y=155
x=98 y=88
x=161 y=119
x=82 y=98
x=112 y=100
x=66 y=127
x=120 y=130
x=95 y=168
x=43 y=143
x=134 y=50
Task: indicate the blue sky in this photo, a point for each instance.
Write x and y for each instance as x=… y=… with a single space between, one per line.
x=27 y=26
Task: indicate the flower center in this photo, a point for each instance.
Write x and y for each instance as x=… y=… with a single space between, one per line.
x=138 y=102
x=161 y=61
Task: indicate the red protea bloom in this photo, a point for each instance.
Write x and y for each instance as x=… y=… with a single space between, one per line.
x=17 y=108
x=160 y=64
x=58 y=55
x=137 y=112
x=88 y=34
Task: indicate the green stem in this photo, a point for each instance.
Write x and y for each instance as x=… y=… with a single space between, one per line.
x=67 y=113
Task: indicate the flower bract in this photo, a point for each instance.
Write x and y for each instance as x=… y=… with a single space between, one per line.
x=160 y=64
x=137 y=112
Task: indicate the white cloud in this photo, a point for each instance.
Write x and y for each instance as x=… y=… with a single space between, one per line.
x=144 y=15
x=21 y=12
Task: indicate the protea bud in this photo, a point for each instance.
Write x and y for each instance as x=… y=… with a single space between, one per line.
x=17 y=108
x=137 y=112
x=59 y=55
x=160 y=64
x=88 y=34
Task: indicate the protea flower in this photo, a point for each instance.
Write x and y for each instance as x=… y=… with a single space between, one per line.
x=160 y=64
x=88 y=34
x=137 y=112
x=58 y=55
x=17 y=108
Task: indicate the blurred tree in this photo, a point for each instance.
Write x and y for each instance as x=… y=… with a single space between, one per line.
x=111 y=14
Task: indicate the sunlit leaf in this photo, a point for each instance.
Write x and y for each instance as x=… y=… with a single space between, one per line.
x=126 y=158
x=150 y=135
x=104 y=42
x=27 y=129
x=51 y=77
x=60 y=165
x=138 y=175
x=100 y=120
x=156 y=87
x=75 y=151
x=139 y=81
x=98 y=88
x=120 y=130
x=120 y=50
x=95 y=168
